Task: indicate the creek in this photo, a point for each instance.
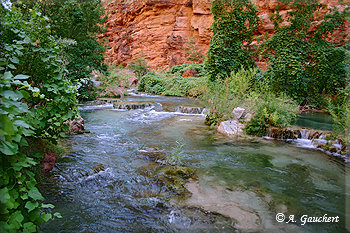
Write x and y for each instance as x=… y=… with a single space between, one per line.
x=246 y=180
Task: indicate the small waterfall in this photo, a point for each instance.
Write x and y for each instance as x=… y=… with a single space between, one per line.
x=304 y=133
x=191 y=110
x=308 y=138
x=132 y=105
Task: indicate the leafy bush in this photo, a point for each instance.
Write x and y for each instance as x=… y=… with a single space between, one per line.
x=139 y=66
x=36 y=100
x=247 y=89
x=302 y=63
x=340 y=109
x=116 y=76
x=235 y=23
x=192 y=51
x=271 y=111
x=80 y=21
x=225 y=95
x=152 y=83
x=173 y=85
x=179 y=69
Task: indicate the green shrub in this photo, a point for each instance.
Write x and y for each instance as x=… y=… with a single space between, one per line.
x=37 y=99
x=192 y=51
x=301 y=62
x=139 y=66
x=116 y=76
x=179 y=69
x=173 y=85
x=152 y=83
x=248 y=89
x=81 y=22
x=235 y=23
x=189 y=86
x=225 y=95
x=270 y=111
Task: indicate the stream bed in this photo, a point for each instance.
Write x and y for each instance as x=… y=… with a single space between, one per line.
x=249 y=179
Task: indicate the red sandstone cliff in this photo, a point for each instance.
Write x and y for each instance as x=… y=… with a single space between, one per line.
x=161 y=30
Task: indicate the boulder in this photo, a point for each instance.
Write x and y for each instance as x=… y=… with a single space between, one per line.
x=76 y=126
x=231 y=128
x=237 y=113
x=49 y=161
x=248 y=117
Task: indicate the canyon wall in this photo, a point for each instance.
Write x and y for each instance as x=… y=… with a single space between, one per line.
x=170 y=32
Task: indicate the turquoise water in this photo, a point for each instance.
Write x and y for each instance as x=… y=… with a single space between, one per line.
x=264 y=176
x=315 y=120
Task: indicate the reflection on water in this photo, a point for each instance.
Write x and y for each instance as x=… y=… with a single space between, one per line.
x=315 y=120
x=264 y=176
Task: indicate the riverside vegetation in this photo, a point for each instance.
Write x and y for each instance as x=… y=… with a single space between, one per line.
x=46 y=62
x=43 y=66
x=303 y=67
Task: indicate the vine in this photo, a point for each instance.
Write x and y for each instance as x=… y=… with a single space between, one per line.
x=301 y=62
x=235 y=23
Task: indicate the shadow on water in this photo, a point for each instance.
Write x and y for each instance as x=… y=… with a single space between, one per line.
x=263 y=176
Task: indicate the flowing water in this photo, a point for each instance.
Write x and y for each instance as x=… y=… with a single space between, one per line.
x=257 y=178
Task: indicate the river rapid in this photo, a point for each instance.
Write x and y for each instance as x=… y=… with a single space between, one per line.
x=103 y=186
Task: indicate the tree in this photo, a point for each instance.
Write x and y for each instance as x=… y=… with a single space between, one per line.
x=235 y=23
x=36 y=100
x=80 y=21
x=302 y=63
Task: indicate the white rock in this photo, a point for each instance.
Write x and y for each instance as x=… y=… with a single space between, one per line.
x=231 y=128
x=248 y=117
x=237 y=113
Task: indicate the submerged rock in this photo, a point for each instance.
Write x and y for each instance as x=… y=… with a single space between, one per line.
x=98 y=167
x=231 y=128
x=131 y=105
x=153 y=154
x=218 y=201
x=175 y=177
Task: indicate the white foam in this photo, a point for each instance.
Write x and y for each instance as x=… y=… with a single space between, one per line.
x=100 y=106
x=142 y=95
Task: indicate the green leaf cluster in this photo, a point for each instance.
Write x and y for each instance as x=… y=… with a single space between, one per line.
x=235 y=23
x=78 y=24
x=172 y=84
x=36 y=98
x=301 y=62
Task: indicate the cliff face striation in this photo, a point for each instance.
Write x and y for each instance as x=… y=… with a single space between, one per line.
x=170 y=32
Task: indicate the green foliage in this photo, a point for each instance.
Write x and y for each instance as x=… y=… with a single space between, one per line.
x=177 y=153
x=81 y=22
x=116 y=76
x=139 y=66
x=192 y=51
x=271 y=111
x=179 y=69
x=340 y=109
x=246 y=89
x=152 y=83
x=302 y=63
x=173 y=85
x=36 y=100
x=235 y=23
x=225 y=95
